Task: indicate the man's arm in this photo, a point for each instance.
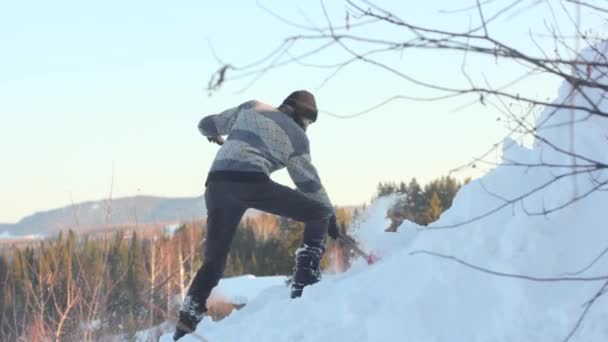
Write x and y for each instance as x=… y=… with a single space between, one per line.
x=306 y=178
x=214 y=126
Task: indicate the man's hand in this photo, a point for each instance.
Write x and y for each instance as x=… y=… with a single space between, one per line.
x=217 y=139
x=333 y=230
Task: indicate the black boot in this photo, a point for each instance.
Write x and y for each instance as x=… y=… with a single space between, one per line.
x=190 y=315
x=307 y=270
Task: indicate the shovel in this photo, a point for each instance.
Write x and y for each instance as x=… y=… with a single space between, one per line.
x=350 y=242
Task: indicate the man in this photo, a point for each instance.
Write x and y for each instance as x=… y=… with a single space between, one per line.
x=261 y=139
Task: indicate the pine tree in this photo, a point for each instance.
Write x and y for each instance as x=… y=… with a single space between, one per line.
x=118 y=261
x=17 y=291
x=402 y=188
x=135 y=281
x=415 y=202
x=4 y=269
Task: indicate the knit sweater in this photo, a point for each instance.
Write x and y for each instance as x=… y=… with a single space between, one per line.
x=261 y=139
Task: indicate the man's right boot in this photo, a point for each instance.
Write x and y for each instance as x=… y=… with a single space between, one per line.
x=307 y=270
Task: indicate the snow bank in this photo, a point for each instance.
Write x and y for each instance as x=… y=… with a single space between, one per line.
x=410 y=296
x=241 y=290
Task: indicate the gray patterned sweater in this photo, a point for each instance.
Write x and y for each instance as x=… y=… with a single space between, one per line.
x=262 y=139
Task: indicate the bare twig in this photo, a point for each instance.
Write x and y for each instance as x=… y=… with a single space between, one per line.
x=505 y=274
x=588 y=305
x=593 y=262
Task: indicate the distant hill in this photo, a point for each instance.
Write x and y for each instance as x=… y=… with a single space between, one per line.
x=119 y=212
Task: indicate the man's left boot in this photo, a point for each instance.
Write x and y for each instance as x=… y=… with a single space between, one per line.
x=190 y=315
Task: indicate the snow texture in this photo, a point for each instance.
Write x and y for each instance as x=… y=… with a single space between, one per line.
x=241 y=290
x=410 y=296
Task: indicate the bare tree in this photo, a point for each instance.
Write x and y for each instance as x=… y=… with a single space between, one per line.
x=560 y=60
x=581 y=74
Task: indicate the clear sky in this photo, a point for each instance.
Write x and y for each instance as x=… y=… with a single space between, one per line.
x=91 y=91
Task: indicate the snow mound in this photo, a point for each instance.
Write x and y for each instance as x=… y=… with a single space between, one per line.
x=242 y=289
x=415 y=296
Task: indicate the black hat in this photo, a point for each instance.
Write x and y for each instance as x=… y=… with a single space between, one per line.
x=303 y=103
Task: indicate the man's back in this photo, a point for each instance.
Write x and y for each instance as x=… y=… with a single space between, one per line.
x=260 y=139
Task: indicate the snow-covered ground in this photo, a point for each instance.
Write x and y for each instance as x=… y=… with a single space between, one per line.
x=236 y=290
x=413 y=296
x=7 y=236
x=241 y=290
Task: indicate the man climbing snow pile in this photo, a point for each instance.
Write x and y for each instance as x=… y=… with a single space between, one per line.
x=261 y=139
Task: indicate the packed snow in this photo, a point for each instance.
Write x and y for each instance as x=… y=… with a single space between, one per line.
x=411 y=295
x=241 y=290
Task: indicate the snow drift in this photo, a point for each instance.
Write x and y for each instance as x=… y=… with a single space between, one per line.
x=242 y=289
x=412 y=296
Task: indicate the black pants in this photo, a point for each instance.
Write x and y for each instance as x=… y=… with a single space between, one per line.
x=226 y=204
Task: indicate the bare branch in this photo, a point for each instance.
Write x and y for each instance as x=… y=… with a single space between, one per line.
x=505 y=274
x=468 y=8
x=483 y=20
x=593 y=262
x=573 y=200
x=585 y=4
x=588 y=305
x=509 y=202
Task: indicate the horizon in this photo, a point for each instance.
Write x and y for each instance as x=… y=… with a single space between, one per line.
x=136 y=196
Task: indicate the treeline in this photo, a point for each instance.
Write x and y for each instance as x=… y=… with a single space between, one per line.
x=421 y=204
x=78 y=288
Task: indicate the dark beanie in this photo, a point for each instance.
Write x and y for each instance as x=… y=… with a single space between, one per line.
x=303 y=103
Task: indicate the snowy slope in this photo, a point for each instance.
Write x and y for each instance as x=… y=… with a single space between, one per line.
x=236 y=290
x=241 y=290
x=418 y=297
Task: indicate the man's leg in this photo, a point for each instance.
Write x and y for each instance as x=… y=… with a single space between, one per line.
x=283 y=201
x=223 y=217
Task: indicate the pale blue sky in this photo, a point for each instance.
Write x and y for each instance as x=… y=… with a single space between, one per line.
x=91 y=87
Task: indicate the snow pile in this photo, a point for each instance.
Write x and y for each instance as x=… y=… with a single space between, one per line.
x=415 y=296
x=241 y=290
